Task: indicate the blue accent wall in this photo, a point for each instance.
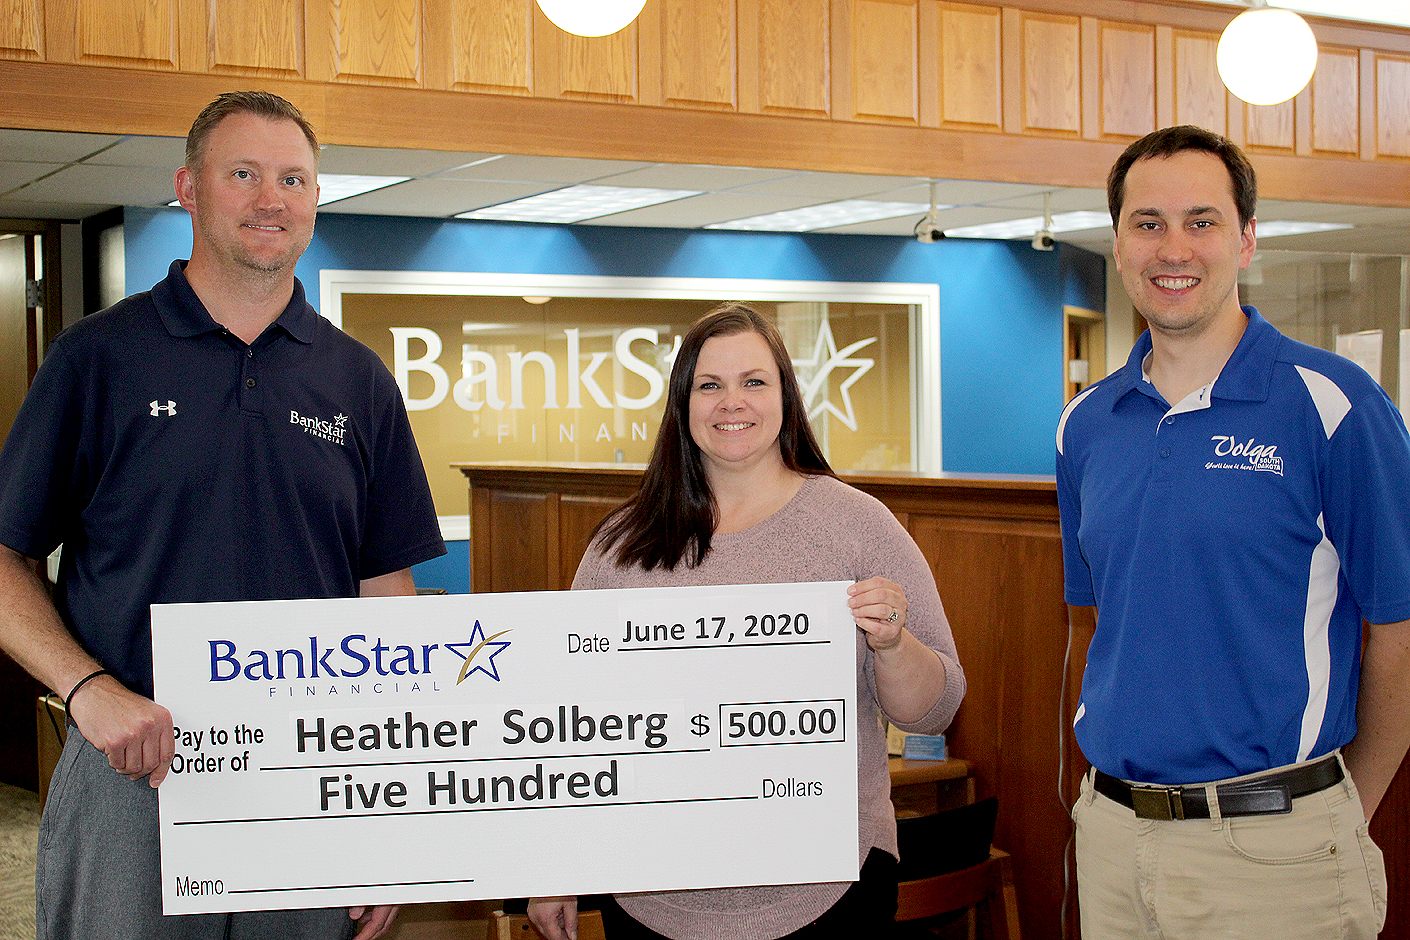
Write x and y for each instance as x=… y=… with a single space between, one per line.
x=451 y=571
x=1001 y=302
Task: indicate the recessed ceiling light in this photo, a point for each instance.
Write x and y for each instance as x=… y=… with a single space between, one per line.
x=1024 y=228
x=827 y=215
x=577 y=203
x=1274 y=229
x=335 y=186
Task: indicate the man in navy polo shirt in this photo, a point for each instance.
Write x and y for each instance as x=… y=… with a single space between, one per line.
x=1233 y=506
x=212 y=439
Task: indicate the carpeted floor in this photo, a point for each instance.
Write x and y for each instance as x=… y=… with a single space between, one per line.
x=19 y=824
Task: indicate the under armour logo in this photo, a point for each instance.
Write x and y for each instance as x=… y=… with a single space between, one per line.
x=168 y=409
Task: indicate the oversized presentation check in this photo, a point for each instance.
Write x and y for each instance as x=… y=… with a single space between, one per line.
x=393 y=750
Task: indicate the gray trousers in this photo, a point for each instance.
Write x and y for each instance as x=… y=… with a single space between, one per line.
x=99 y=870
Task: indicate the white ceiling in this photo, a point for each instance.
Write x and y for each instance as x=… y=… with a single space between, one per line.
x=56 y=175
x=1392 y=12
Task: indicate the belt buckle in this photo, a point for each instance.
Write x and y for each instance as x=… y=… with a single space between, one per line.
x=1162 y=803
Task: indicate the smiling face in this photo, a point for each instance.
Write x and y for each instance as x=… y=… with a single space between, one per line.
x=253 y=196
x=1179 y=246
x=736 y=403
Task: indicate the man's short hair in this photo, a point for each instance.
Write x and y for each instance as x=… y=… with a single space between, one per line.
x=260 y=103
x=1172 y=140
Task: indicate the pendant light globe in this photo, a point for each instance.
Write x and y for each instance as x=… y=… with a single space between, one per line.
x=1266 y=55
x=591 y=17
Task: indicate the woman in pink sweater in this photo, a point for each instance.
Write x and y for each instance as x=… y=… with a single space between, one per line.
x=738 y=492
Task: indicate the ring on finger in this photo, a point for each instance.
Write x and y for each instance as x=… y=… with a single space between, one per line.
x=895 y=615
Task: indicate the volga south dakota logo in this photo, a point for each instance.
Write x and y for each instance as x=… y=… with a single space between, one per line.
x=328 y=430
x=1232 y=454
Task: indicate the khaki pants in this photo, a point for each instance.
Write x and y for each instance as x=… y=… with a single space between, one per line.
x=1313 y=873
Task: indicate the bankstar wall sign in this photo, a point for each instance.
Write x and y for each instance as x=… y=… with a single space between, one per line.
x=558 y=369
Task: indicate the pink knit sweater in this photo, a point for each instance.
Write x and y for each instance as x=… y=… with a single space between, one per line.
x=827 y=532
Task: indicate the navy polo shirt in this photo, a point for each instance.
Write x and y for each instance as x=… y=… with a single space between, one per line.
x=175 y=464
x=1232 y=545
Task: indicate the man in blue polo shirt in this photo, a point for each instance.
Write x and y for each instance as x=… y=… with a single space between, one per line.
x=212 y=439
x=1233 y=506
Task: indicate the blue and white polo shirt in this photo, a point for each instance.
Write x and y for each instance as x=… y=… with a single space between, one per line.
x=1232 y=545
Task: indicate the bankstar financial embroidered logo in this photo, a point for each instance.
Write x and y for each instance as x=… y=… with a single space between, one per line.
x=470 y=651
x=328 y=430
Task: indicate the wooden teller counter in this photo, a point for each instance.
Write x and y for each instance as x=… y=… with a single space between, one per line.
x=994 y=546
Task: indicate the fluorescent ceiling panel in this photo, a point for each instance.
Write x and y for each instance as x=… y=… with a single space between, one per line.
x=335 y=186
x=577 y=203
x=828 y=215
x=1025 y=228
x=1274 y=229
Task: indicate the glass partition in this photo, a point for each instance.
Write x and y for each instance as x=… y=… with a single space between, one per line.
x=551 y=378
x=1355 y=305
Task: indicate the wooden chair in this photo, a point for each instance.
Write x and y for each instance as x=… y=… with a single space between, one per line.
x=517 y=927
x=986 y=888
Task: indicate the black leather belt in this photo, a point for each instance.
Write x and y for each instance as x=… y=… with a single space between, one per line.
x=1263 y=796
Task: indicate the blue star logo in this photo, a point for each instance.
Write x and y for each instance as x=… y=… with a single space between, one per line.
x=480 y=642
